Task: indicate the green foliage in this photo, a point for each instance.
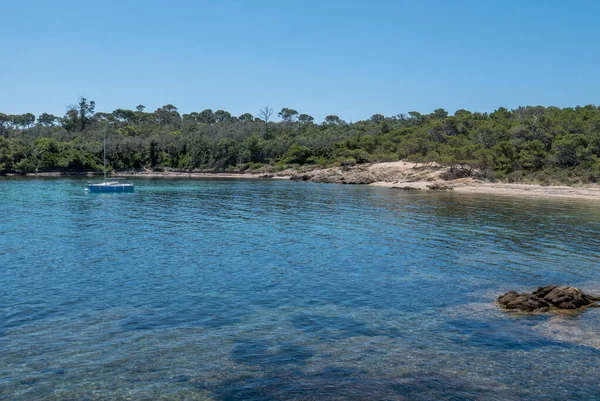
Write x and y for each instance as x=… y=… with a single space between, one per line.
x=332 y=119
x=297 y=154
x=569 y=149
x=504 y=156
x=288 y=115
x=7 y=159
x=548 y=145
x=127 y=131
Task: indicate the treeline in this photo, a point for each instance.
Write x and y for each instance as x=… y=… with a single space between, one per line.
x=544 y=144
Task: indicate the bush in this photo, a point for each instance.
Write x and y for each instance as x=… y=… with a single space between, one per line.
x=515 y=176
x=346 y=162
x=318 y=160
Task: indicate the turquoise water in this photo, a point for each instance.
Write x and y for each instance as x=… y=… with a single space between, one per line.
x=273 y=290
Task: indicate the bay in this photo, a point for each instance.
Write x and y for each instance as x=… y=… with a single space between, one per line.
x=273 y=290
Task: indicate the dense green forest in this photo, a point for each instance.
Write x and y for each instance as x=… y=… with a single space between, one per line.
x=543 y=144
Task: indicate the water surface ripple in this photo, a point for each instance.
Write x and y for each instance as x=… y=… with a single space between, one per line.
x=272 y=290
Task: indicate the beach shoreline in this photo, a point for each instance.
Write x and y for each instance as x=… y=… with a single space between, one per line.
x=476 y=187
x=401 y=175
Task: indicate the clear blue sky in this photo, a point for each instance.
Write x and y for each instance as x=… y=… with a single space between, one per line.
x=350 y=58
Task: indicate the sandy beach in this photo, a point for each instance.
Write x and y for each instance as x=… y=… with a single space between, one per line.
x=401 y=175
x=404 y=175
x=471 y=186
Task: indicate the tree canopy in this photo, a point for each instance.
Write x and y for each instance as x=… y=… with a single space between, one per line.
x=535 y=143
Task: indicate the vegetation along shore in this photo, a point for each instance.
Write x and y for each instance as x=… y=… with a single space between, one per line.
x=557 y=149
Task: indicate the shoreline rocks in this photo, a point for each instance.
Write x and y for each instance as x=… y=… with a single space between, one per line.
x=547 y=298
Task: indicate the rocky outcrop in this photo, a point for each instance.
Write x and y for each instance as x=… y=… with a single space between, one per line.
x=405 y=188
x=357 y=175
x=439 y=187
x=546 y=298
x=392 y=172
x=565 y=297
x=523 y=302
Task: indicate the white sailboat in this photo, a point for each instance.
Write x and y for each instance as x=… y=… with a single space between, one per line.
x=115 y=185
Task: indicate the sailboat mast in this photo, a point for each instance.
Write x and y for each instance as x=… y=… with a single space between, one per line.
x=105 y=125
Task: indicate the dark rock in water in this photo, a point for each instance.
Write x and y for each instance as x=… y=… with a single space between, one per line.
x=564 y=297
x=439 y=187
x=300 y=177
x=406 y=188
x=523 y=302
x=545 y=298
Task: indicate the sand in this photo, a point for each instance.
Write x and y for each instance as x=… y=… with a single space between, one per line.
x=398 y=175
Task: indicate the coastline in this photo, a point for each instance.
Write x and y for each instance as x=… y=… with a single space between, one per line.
x=476 y=187
x=399 y=175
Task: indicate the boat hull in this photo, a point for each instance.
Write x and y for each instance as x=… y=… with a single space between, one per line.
x=110 y=187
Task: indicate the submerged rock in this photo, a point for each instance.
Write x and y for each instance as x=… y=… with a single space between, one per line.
x=406 y=188
x=546 y=298
x=440 y=187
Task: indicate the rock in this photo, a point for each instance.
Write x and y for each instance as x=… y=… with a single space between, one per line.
x=359 y=180
x=439 y=187
x=564 y=297
x=300 y=177
x=545 y=298
x=406 y=188
x=523 y=302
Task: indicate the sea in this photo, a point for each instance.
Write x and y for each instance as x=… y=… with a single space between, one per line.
x=240 y=289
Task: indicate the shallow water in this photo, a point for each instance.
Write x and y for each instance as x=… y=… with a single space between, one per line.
x=273 y=290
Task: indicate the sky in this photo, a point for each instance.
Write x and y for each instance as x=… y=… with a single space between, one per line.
x=348 y=58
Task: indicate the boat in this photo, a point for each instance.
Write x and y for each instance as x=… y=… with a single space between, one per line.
x=115 y=185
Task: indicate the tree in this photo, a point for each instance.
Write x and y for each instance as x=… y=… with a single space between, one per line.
x=140 y=108
x=167 y=115
x=439 y=114
x=101 y=116
x=6 y=156
x=533 y=155
x=287 y=115
x=153 y=154
x=459 y=151
x=377 y=118
x=305 y=119
x=86 y=109
x=70 y=121
x=190 y=118
x=415 y=118
x=254 y=148
x=4 y=122
x=47 y=120
x=222 y=116
x=501 y=114
x=332 y=119
x=246 y=117
x=15 y=120
x=265 y=114
x=22 y=120
x=124 y=115
x=504 y=157
x=206 y=117
x=169 y=108
x=297 y=154
x=385 y=127
x=568 y=148
x=28 y=120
